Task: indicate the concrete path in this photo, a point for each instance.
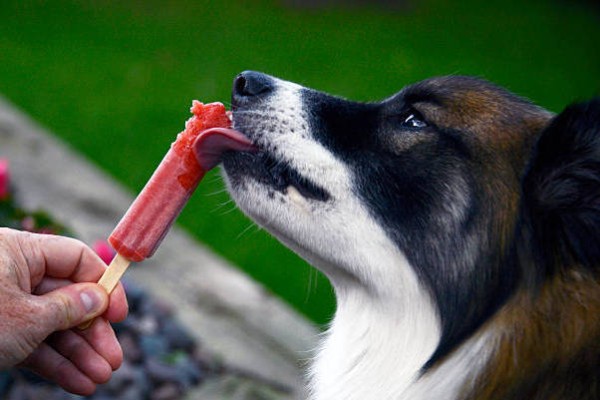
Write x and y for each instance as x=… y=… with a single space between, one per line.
x=231 y=315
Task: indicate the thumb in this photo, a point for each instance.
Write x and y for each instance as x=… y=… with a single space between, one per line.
x=71 y=305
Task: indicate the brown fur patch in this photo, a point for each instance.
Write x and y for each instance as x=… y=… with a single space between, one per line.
x=548 y=344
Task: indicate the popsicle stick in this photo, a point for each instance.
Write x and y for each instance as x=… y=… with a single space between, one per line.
x=110 y=279
x=113 y=273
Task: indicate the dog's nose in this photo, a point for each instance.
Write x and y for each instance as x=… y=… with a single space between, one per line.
x=252 y=84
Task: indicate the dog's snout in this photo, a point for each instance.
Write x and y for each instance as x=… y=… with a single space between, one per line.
x=252 y=84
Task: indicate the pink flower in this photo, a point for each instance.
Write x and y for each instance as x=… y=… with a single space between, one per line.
x=103 y=249
x=28 y=224
x=4 y=179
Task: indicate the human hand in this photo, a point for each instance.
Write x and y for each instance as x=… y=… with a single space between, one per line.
x=46 y=291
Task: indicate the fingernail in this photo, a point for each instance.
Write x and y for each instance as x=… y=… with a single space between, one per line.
x=90 y=300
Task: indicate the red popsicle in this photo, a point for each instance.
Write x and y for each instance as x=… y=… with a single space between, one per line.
x=149 y=217
x=197 y=149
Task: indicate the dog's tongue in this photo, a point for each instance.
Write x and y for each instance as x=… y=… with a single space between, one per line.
x=212 y=143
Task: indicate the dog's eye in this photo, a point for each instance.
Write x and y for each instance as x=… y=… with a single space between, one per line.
x=414 y=120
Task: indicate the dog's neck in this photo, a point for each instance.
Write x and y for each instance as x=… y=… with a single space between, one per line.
x=376 y=336
x=363 y=345
x=376 y=348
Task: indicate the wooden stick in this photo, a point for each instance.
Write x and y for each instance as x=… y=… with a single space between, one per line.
x=113 y=273
x=110 y=279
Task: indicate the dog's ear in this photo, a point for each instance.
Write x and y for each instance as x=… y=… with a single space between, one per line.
x=561 y=192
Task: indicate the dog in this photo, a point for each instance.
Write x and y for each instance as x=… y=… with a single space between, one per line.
x=458 y=223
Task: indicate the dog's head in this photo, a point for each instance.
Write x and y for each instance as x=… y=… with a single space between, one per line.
x=430 y=178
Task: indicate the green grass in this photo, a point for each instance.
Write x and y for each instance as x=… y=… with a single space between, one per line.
x=115 y=80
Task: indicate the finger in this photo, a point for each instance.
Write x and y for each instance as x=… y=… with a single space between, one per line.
x=48 y=363
x=118 y=307
x=79 y=263
x=102 y=338
x=60 y=257
x=69 y=306
x=70 y=258
x=85 y=357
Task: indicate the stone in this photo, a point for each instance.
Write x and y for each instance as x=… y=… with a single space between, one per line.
x=176 y=335
x=161 y=372
x=131 y=348
x=162 y=309
x=132 y=392
x=168 y=391
x=153 y=346
x=6 y=381
x=17 y=392
x=148 y=324
x=121 y=378
x=135 y=294
x=189 y=372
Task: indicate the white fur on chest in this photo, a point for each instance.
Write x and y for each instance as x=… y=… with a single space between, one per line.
x=370 y=355
x=376 y=344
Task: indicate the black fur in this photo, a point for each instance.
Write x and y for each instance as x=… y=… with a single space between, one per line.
x=561 y=192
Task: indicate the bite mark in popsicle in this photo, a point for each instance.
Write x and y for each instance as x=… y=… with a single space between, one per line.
x=197 y=149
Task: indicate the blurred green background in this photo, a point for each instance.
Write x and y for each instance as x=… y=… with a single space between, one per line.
x=115 y=79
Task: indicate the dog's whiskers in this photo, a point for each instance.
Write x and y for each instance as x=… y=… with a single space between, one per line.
x=248 y=229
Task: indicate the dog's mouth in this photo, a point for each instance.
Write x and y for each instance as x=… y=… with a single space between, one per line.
x=262 y=166
x=281 y=176
x=213 y=143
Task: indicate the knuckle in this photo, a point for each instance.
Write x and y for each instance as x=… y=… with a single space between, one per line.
x=61 y=310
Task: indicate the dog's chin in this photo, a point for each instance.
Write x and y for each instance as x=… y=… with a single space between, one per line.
x=297 y=211
x=306 y=217
x=275 y=195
